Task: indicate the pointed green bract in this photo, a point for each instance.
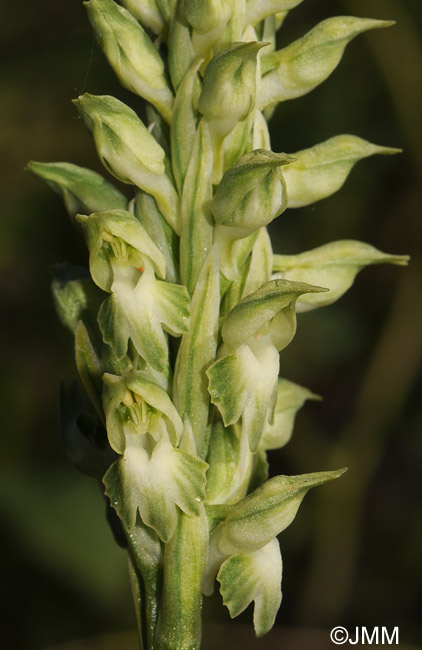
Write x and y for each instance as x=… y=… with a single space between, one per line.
x=83 y=190
x=321 y=170
x=262 y=515
x=334 y=265
x=303 y=65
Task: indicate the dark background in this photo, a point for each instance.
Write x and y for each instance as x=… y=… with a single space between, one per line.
x=353 y=555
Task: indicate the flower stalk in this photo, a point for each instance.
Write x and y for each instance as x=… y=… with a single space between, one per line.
x=179 y=325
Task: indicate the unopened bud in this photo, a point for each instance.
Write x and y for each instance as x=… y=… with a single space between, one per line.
x=131 y=53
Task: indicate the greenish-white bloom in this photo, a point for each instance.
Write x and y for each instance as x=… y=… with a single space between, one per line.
x=117 y=242
x=128 y=150
x=255 y=577
x=304 y=64
x=321 y=170
x=153 y=483
x=136 y=404
x=131 y=53
x=333 y=265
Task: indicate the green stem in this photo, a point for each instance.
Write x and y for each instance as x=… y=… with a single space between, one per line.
x=185 y=556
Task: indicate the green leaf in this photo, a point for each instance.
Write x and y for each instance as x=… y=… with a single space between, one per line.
x=129 y=151
x=267 y=511
x=304 y=64
x=254 y=577
x=257 y=10
x=290 y=398
x=82 y=190
x=271 y=305
x=196 y=220
x=153 y=484
x=243 y=385
x=321 y=170
x=131 y=53
x=334 y=266
x=197 y=351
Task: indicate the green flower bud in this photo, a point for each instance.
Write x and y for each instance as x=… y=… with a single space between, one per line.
x=251 y=193
x=334 y=265
x=83 y=190
x=255 y=577
x=304 y=64
x=147 y=12
x=269 y=310
x=128 y=150
x=321 y=170
x=229 y=87
x=131 y=53
x=205 y=15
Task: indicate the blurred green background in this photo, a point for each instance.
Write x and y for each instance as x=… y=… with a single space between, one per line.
x=353 y=555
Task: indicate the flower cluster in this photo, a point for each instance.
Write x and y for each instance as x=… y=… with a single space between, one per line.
x=179 y=326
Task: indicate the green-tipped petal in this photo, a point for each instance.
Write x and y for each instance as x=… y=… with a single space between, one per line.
x=334 y=265
x=304 y=64
x=321 y=170
x=255 y=577
x=262 y=515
